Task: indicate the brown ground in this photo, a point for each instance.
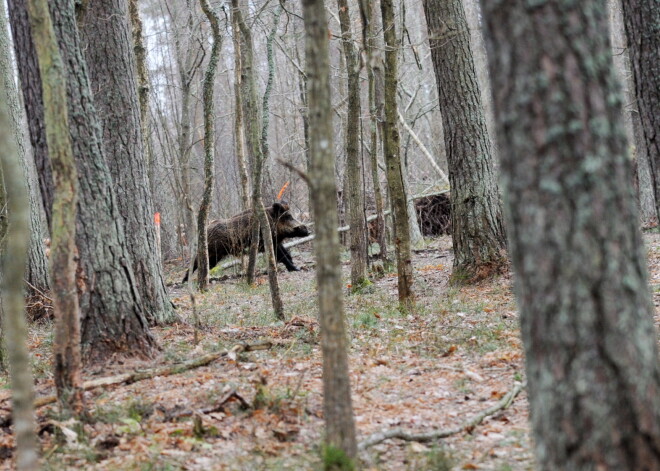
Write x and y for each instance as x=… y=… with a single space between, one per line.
x=458 y=354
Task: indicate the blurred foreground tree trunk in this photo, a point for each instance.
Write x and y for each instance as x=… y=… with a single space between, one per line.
x=642 y=24
x=391 y=148
x=337 y=406
x=66 y=344
x=581 y=284
x=356 y=218
x=14 y=257
x=107 y=36
x=477 y=227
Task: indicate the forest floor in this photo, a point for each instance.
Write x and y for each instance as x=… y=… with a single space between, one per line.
x=457 y=354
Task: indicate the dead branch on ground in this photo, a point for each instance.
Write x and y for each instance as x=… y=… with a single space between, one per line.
x=401 y=434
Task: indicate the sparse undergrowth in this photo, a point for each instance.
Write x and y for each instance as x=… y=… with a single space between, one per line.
x=454 y=355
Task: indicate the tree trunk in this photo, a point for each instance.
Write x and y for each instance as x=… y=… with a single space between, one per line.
x=106 y=32
x=476 y=215
x=36 y=274
x=581 y=281
x=358 y=231
x=209 y=147
x=13 y=268
x=28 y=72
x=371 y=45
x=276 y=299
x=391 y=147
x=66 y=344
x=239 y=126
x=251 y=121
x=112 y=312
x=337 y=408
x=642 y=24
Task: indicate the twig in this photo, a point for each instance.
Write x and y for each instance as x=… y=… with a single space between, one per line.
x=301 y=173
x=401 y=434
x=166 y=370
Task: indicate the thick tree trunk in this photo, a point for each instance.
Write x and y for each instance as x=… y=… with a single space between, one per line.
x=66 y=344
x=358 y=231
x=36 y=273
x=337 y=408
x=642 y=24
x=209 y=148
x=581 y=281
x=13 y=267
x=633 y=124
x=391 y=148
x=476 y=213
x=28 y=71
x=113 y=316
x=111 y=62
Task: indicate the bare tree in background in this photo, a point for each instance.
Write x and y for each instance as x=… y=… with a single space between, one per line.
x=391 y=148
x=37 y=269
x=209 y=147
x=581 y=280
x=477 y=227
x=66 y=345
x=642 y=25
x=337 y=406
x=358 y=226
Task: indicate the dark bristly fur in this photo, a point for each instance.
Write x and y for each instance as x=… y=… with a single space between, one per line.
x=232 y=236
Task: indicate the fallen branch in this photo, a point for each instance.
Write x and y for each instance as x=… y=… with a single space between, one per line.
x=425 y=151
x=135 y=376
x=401 y=434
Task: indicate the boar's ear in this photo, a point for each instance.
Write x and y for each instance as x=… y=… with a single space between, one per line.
x=280 y=208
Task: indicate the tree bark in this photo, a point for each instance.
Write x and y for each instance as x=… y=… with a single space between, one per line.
x=358 y=231
x=239 y=126
x=113 y=315
x=371 y=45
x=642 y=25
x=106 y=33
x=476 y=214
x=209 y=148
x=337 y=408
x=14 y=257
x=276 y=299
x=251 y=121
x=66 y=344
x=28 y=72
x=37 y=276
x=391 y=148
x=581 y=281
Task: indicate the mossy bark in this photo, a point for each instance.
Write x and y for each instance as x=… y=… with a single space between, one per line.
x=581 y=280
x=66 y=344
x=391 y=148
x=209 y=147
x=337 y=408
x=356 y=217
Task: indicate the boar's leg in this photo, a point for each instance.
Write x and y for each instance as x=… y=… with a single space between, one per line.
x=284 y=256
x=185 y=278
